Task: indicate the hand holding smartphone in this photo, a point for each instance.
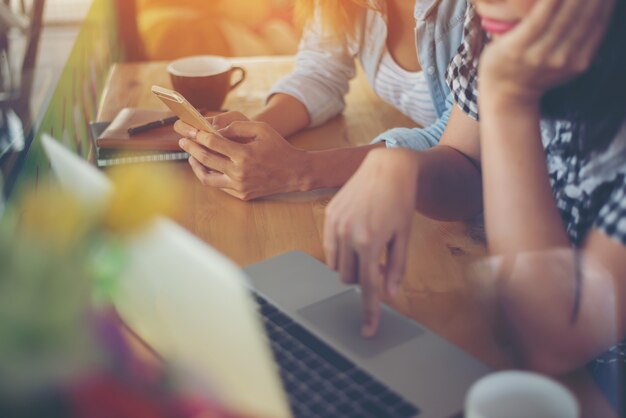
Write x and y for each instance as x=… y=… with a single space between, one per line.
x=183 y=109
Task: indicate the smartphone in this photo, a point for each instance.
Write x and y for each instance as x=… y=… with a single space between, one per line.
x=183 y=109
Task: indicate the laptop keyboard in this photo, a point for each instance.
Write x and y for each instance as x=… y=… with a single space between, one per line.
x=319 y=381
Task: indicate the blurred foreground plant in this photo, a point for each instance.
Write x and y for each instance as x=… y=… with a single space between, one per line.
x=63 y=349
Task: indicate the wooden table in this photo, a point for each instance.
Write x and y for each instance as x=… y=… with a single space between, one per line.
x=435 y=291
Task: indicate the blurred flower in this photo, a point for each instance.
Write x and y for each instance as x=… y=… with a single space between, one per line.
x=63 y=352
x=140 y=193
x=138 y=386
x=54 y=218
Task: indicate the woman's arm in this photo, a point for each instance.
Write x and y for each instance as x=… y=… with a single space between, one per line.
x=267 y=164
x=539 y=288
x=259 y=162
x=286 y=114
x=562 y=305
x=372 y=214
x=448 y=176
x=317 y=85
x=449 y=188
x=520 y=212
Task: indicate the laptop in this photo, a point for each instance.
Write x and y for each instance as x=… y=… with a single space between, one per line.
x=280 y=338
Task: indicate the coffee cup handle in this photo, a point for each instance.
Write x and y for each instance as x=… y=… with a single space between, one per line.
x=242 y=77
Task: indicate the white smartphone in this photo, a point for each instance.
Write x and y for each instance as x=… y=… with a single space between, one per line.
x=183 y=109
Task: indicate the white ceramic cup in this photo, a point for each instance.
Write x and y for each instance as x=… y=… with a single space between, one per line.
x=517 y=394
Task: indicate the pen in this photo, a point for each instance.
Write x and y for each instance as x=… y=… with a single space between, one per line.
x=137 y=129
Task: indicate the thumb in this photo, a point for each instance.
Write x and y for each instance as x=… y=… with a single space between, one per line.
x=224 y=119
x=244 y=129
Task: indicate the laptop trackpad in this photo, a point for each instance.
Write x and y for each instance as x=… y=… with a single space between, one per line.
x=339 y=318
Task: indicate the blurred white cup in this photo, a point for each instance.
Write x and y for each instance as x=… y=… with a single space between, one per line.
x=517 y=394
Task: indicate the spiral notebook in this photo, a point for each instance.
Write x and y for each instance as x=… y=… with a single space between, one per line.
x=113 y=146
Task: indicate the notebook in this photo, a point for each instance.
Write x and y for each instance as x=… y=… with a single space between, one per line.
x=113 y=145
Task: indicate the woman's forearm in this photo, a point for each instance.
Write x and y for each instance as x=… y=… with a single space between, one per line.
x=551 y=303
x=286 y=114
x=448 y=185
x=333 y=167
x=559 y=323
x=520 y=212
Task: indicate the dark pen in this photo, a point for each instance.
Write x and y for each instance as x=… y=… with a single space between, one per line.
x=137 y=129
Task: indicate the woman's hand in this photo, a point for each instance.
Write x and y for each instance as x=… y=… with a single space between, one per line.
x=245 y=159
x=371 y=214
x=553 y=44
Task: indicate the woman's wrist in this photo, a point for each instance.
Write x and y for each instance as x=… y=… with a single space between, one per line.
x=323 y=169
x=400 y=160
x=286 y=114
x=504 y=105
x=399 y=165
x=303 y=177
x=333 y=167
x=502 y=100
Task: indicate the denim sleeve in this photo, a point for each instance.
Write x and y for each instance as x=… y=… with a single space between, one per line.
x=323 y=70
x=417 y=139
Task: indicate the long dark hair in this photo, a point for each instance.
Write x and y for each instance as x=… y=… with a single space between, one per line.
x=595 y=101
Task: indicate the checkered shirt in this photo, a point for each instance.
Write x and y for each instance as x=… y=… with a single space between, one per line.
x=462 y=74
x=589 y=190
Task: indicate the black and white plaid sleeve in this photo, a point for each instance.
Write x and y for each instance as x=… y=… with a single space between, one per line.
x=462 y=73
x=611 y=219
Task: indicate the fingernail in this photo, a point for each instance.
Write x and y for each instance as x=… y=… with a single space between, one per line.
x=392 y=288
x=367 y=330
x=182 y=143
